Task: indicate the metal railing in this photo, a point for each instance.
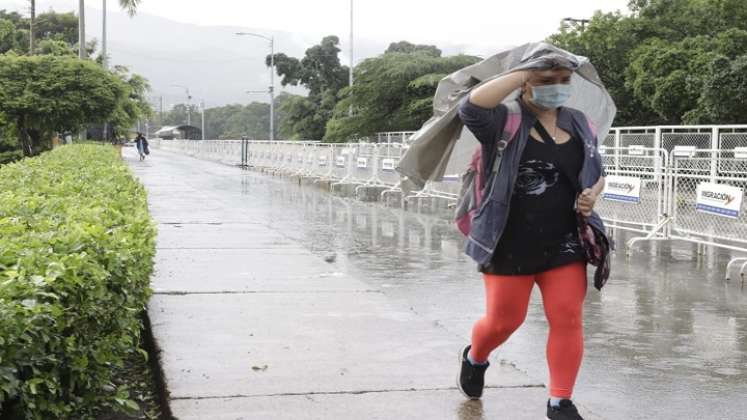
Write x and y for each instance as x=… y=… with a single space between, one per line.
x=668 y=164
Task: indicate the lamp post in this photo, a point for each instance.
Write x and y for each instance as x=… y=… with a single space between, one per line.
x=350 y=75
x=202 y=111
x=104 y=58
x=81 y=29
x=582 y=22
x=272 y=78
x=189 y=103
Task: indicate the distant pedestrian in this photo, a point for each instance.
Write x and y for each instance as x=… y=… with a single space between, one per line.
x=537 y=202
x=142 y=146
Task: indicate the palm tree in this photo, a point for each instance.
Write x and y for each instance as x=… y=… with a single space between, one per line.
x=129 y=5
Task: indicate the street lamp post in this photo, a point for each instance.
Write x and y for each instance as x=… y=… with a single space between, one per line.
x=104 y=58
x=271 y=90
x=350 y=75
x=202 y=111
x=81 y=29
x=582 y=22
x=189 y=103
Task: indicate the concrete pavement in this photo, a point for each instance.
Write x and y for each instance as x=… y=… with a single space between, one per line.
x=253 y=325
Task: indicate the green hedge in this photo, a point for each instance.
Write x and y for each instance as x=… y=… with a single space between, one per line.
x=76 y=254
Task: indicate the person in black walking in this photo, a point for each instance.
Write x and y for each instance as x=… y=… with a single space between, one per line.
x=142 y=146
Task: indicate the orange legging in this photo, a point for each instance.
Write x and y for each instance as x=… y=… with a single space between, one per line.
x=563 y=292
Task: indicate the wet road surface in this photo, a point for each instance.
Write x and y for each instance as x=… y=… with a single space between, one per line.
x=666 y=339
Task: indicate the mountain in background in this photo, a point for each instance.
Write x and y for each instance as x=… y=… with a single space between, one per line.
x=217 y=65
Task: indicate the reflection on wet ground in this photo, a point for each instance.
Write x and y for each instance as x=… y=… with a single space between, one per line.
x=666 y=339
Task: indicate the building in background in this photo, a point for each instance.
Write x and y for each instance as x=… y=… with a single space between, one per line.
x=179 y=132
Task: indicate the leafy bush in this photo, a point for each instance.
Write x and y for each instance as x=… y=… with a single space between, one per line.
x=76 y=254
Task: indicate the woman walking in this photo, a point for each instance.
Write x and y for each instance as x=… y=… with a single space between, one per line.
x=527 y=230
x=142 y=146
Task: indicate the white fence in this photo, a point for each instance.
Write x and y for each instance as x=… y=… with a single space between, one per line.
x=664 y=183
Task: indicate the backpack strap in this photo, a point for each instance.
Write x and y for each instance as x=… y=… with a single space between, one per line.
x=513 y=122
x=511 y=127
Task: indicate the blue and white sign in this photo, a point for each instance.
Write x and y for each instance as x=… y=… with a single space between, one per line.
x=362 y=163
x=622 y=188
x=719 y=199
x=340 y=161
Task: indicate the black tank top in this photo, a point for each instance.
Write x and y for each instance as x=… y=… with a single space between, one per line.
x=541 y=232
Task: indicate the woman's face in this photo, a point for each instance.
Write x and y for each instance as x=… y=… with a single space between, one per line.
x=539 y=78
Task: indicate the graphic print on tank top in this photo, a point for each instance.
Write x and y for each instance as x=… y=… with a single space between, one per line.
x=535 y=177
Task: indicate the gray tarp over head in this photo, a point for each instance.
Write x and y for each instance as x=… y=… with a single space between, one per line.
x=442 y=146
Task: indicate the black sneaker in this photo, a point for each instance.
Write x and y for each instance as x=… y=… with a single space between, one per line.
x=566 y=411
x=471 y=378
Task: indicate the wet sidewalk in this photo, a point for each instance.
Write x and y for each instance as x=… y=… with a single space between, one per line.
x=253 y=324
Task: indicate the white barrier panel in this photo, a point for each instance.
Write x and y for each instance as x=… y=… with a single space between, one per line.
x=636 y=193
x=707 y=206
x=363 y=172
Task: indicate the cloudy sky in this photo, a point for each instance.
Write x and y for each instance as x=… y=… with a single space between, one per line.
x=477 y=23
x=219 y=68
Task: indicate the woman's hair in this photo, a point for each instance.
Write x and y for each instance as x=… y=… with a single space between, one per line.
x=551 y=61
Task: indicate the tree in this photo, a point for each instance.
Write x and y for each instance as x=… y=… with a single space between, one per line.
x=42 y=95
x=134 y=105
x=178 y=114
x=409 y=48
x=392 y=92
x=322 y=74
x=129 y=5
x=53 y=26
x=656 y=62
x=54 y=47
x=236 y=121
x=723 y=93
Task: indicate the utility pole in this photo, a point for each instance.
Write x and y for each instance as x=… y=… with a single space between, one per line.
x=82 y=45
x=271 y=90
x=32 y=29
x=105 y=57
x=350 y=76
x=81 y=29
x=202 y=108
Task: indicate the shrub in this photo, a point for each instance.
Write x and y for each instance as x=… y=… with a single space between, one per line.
x=76 y=254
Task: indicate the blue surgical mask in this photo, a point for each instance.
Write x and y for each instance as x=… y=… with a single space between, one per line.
x=551 y=96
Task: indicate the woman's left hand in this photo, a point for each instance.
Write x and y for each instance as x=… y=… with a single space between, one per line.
x=585 y=202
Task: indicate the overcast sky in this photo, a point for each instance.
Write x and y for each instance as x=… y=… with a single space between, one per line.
x=478 y=23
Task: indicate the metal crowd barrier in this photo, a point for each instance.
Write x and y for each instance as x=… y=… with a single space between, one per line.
x=647 y=169
x=665 y=167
